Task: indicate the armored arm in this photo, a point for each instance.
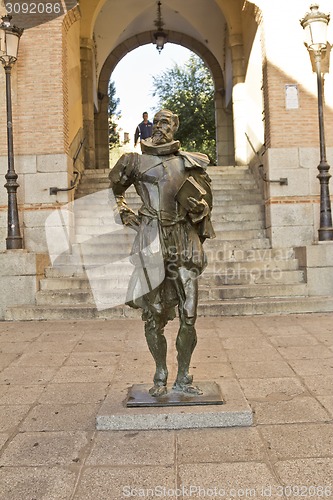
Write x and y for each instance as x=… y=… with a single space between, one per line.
x=121 y=177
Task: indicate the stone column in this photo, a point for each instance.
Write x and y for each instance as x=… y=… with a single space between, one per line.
x=224 y=132
x=102 y=132
x=87 y=81
x=238 y=98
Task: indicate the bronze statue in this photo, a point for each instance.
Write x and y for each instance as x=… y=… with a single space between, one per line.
x=174 y=219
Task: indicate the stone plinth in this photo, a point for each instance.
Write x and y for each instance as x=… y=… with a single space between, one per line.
x=235 y=412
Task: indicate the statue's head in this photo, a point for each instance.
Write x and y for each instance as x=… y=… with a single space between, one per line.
x=165 y=125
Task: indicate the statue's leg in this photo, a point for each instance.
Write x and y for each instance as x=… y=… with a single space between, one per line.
x=187 y=287
x=154 y=332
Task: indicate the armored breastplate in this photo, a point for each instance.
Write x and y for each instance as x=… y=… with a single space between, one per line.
x=158 y=185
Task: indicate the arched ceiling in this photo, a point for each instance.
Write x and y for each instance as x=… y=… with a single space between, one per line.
x=198 y=19
x=90 y=9
x=112 y=22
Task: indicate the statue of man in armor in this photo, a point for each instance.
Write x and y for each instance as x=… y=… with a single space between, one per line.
x=176 y=204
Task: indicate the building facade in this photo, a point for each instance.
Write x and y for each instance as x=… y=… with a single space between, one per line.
x=265 y=100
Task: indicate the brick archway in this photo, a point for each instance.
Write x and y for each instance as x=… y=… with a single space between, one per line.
x=224 y=127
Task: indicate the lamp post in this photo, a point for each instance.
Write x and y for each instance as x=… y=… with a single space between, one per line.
x=315 y=26
x=9 y=42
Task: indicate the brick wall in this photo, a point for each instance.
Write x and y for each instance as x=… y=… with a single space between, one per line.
x=37 y=88
x=293 y=127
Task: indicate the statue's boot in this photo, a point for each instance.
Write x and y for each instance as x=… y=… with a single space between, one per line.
x=157 y=344
x=185 y=344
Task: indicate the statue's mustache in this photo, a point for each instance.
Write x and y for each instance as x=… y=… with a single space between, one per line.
x=159 y=136
x=159 y=132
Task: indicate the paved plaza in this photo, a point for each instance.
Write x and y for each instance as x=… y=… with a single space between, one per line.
x=56 y=376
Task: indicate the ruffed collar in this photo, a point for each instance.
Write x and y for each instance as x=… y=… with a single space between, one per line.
x=148 y=148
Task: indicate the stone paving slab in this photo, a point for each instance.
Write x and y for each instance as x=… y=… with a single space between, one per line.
x=59 y=375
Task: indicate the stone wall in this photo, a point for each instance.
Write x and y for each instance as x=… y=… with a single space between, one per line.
x=20 y=273
x=317 y=262
x=36 y=174
x=292 y=211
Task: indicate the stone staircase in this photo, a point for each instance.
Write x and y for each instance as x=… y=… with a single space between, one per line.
x=244 y=276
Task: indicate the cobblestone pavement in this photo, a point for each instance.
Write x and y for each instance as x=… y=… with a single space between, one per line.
x=54 y=377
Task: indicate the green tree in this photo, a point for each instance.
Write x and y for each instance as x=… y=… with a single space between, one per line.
x=113 y=116
x=189 y=91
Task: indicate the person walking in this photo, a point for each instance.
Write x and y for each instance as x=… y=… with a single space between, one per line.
x=144 y=129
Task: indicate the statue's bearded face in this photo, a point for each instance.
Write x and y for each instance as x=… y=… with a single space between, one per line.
x=163 y=128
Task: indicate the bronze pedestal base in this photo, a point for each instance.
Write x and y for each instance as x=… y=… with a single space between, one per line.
x=138 y=396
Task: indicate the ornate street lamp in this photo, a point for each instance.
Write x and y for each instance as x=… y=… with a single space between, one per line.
x=9 y=42
x=315 y=26
x=160 y=36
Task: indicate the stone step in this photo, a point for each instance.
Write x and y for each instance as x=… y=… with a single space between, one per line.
x=74 y=275
x=107 y=294
x=232 y=169
x=106 y=209
x=64 y=297
x=73 y=312
x=240 y=274
x=220 y=213
x=102 y=225
x=243 y=212
x=237 y=225
x=115 y=265
x=221 y=254
x=218 y=267
x=236 y=184
x=251 y=277
x=122 y=238
x=228 y=168
x=246 y=234
x=244 y=307
x=95 y=171
x=250 y=221
x=235 y=292
x=64 y=283
x=65 y=271
x=226 y=244
x=105 y=298
x=224 y=253
x=250 y=244
x=266 y=306
x=230 y=212
x=77 y=267
x=220 y=183
x=223 y=292
x=215 y=175
x=244 y=197
x=217 y=185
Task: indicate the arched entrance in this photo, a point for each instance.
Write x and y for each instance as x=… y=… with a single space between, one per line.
x=221 y=32
x=224 y=131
